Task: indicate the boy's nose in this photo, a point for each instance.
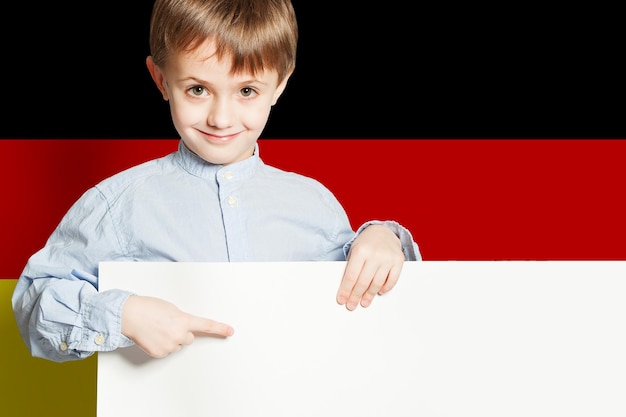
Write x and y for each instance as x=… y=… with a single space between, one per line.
x=220 y=114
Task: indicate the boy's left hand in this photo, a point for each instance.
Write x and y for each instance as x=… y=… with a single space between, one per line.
x=373 y=267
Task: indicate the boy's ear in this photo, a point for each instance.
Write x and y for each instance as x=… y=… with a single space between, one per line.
x=157 y=77
x=281 y=87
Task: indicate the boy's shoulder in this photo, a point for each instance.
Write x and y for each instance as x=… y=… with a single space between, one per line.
x=274 y=172
x=136 y=174
x=301 y=183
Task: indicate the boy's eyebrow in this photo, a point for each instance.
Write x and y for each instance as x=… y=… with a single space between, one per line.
x=201 y=81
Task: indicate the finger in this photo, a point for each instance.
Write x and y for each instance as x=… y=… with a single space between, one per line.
x=350 y=276
x=211 y=327
x=376 y=285
x=392 y=279
x=354 y=266
x=362 y=284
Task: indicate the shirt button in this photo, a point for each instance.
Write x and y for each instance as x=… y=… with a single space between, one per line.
x=232 y=201
x=228 y=175
x=99 y=340
x=63 y=346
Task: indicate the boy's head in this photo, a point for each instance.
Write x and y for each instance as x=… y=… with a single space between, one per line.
x=222 y=65
x=254 y=34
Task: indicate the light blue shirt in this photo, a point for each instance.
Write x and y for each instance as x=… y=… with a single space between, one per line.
x=177 y=208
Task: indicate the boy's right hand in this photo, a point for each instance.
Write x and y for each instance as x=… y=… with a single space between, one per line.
x=159 y=328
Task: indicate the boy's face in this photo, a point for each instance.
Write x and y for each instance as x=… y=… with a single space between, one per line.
x=218 y=115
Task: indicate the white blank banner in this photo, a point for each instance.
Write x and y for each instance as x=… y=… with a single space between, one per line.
x=453 y=339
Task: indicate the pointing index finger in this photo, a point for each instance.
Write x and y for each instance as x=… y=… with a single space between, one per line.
x=210 y=327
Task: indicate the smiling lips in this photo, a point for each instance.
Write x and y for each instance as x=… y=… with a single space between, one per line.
x=219 y=139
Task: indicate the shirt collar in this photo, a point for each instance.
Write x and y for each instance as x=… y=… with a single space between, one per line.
x=197 y=166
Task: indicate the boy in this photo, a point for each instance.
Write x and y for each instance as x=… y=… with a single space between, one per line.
x=222 y=65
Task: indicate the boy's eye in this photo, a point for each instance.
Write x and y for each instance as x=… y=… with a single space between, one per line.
x=247 y=91
x=197 y=90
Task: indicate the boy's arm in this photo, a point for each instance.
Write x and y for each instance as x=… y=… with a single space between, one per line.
x=64 y=319
x=57 y=307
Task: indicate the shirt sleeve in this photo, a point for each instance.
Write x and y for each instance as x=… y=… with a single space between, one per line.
x=59 y=312
x=409 y=247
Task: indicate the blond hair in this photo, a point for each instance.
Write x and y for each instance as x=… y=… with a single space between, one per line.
x=258 y=35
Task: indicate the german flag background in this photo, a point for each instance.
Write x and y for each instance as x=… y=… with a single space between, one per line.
x=492 y=134
x=428 y=70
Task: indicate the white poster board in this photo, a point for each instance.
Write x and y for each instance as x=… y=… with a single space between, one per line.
x=454 y=339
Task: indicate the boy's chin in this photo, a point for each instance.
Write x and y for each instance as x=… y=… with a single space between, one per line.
x=225 y=155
